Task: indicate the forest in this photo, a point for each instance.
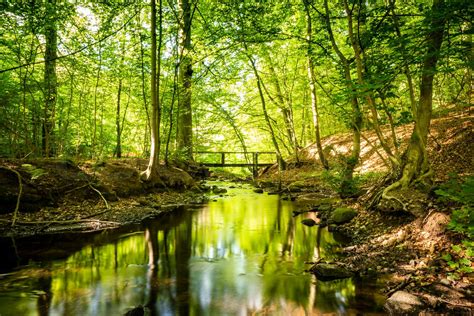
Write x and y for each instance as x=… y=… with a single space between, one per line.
x=358 y=114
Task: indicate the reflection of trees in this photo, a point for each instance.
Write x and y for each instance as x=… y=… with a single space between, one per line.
x=287 y=243
x=183 y=235
x=334 y=296
x=160 y=262
x=151 y=237
x=318 y=244
x=45 y=296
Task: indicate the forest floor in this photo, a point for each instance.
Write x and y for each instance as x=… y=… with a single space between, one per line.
x=409 y=252
x=61 y=196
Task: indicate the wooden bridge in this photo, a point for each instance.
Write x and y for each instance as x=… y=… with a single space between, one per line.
x=248 y=159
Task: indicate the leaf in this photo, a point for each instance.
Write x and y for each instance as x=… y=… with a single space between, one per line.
x=456 y=248
x=447 y=257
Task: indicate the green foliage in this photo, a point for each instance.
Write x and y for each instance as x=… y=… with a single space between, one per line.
x=461 y=192
x=459 y=259
x=34 y=172
x=334 y=178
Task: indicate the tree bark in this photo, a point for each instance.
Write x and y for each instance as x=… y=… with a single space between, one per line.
x=311 y=78
x=50 y=78
x=118 y=148
x=185 y=118
x=151 y=172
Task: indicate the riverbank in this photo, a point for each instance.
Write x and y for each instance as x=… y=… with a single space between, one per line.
x=428 y=267
x=60 y=196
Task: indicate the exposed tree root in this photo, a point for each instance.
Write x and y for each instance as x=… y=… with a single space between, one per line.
x=20 y=191
x=98 y=192
x=387 y=197
x=74 y=221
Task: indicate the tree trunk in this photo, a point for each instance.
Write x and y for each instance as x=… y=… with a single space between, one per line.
x=185 y=118
x=416 y=166
x=118 y=148
x=358 y=54
x=311 y=78
x=284 y=105
x=281 y=162
x=151 y=172
x=50 y=79
x=406 y=68
x=356 y=119
x=415 y=172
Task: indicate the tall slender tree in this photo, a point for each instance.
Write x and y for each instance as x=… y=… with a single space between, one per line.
x=50 y=78
x=185 y=116
x=151 y=172
x=312 y=84
x=356 y=117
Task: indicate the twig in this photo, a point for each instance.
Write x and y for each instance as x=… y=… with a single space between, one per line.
x=98 y=213
x=105 y=201
x=20 y=191
x=400 y=286
x=78 y=188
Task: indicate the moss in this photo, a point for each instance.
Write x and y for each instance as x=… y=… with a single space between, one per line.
x=342 y=215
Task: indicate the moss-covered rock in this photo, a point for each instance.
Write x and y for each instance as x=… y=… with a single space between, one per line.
x=308 y=222
x=342 y=215
x=327 y=271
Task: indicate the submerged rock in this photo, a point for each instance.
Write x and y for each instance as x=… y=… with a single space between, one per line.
x=328 y=271
x=404 y=303
x=308 y=222
x=217 y=190
x=258 y=190
x=342 y=215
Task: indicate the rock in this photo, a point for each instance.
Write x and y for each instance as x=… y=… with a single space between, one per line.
x=296 y=186
x=308 y=222
x=342 y=215
x=217 y=190
x=324 y=208
x=435 y=224
x=258 y=190
x=327 y=272
x=402 y=302
x=331 y=228
x=310 y=198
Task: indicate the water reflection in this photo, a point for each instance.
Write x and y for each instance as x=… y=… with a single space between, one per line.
x=240 y=255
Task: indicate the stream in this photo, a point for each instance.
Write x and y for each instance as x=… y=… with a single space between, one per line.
x=240 y=254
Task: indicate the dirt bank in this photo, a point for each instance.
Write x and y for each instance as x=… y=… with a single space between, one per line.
x=63 y=196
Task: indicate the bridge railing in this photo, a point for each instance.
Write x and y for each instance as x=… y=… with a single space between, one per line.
x=250 y=159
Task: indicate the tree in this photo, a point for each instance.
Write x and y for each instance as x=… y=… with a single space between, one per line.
x=416 y=169
x=312 y=84
x=151 y=172
x=50 y=79
x=356 y=117
x=185 y=117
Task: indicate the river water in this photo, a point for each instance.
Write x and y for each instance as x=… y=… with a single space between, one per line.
x=241 y=254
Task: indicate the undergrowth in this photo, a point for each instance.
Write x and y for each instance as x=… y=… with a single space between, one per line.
x=459 y=192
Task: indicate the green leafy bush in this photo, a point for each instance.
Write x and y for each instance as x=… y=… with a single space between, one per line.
x=460 y=192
